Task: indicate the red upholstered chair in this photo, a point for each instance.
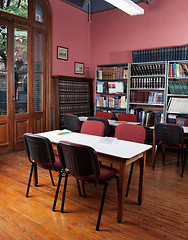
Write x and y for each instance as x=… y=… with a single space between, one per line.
x=133 y=133
x=127 y=117
x=169 y=136
x=40 y=153
x=93 y=128
x=106 y=124
x=105 y=115
x=82 y=163
x=186 y=122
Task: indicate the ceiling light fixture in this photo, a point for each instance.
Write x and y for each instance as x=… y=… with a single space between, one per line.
x=127 y=6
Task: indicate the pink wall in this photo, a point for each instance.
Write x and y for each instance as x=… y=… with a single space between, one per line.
x=71 y=29
x=114 y=34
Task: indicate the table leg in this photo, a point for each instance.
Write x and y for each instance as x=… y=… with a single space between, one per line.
x=121 y=191
x=141 y=178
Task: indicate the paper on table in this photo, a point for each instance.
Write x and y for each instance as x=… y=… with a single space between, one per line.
x=108 y=140
x=64 y=131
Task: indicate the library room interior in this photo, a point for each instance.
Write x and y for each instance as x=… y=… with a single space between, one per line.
x=94 y=119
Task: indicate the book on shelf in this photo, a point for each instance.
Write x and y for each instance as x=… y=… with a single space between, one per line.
x=178 y=105
x=160 y=54
x=178 y=87
x=111 y=102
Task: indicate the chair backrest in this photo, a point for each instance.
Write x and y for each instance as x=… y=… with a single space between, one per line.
x=169 y=133
x=72 y=122
x=105 y=115
x=186 y=122
x=93 y=128
x=39 y=149
x=127 y=117
x=80 y=160
x=130 y=132
x=106 y=123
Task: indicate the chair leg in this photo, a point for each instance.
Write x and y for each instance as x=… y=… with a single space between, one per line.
x=129 y=180
x=51 y=178
x=83 y=189
x=79 y=191
x=57 y=190
x=163 y=155
x=35 y=174
x=101 y=206
x=183 y=167
x=64 y=192
x=153 y=167
x=29 y=182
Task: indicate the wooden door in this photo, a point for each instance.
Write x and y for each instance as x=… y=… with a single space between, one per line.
x=6 y=117
x=22 y=84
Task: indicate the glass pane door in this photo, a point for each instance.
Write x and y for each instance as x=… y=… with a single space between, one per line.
x=20 y=70
x=3 y=70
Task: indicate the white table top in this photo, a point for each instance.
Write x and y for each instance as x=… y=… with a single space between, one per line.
x=119 y=148
x=111 y=122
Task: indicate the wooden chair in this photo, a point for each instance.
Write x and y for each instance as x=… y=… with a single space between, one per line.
x=82 y=163
x=133 y=133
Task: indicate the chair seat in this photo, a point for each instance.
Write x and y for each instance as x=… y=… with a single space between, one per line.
x=57 y=165
x=172 y=146
x=105 y=174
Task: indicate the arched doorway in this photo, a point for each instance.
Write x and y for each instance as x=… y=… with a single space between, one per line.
x=25 y=53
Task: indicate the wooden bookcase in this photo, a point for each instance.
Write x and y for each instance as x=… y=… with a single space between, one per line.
x=111 y=87
x=148 y=87
x=177 y=94
x=71 y=95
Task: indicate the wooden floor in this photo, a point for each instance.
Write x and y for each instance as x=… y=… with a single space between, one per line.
x=163 y=214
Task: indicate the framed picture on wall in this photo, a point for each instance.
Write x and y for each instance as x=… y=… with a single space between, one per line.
x=62 y=53
x=78 y=68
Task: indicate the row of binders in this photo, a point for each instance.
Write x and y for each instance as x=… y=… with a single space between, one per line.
x=154 y=82
x=177 y=119
x=160 y=54
x=178 y=87
x=111 y=87
x=178 y=70
x=111 y=102
x=149 y=69
x=178 y=105
x=147 y=97
x=118 y=72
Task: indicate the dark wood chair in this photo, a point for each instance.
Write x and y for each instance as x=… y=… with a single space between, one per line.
x=82 y=163
x=133 y=133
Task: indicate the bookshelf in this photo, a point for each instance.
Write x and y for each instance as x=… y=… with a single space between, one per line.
x=177 y=94
x=72 y=95
x=148 y=88
x=112 y=87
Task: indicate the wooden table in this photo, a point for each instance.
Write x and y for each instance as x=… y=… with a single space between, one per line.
x=121 y=153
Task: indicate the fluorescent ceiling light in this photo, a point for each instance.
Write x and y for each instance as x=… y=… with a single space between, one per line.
x=127 y=6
